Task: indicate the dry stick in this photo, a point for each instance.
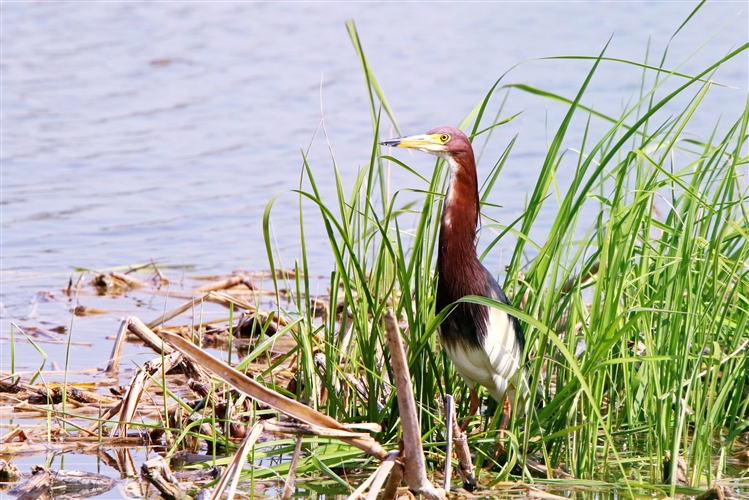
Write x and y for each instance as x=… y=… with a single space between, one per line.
x=192 y=370
x=140 y=382
x=359 y=492
x=227 y=300
x=449 y=409
x=394 y=481
x=130 y=280
x=224 y=284
x=175 y=312
x=382 y=473
x=152 y=340
x=415 y=474
x=114 y=358
x=106 y=416
x=466 y=470
x=294 y=409
x=144 y=333
x=288 y=487
x=234 y=469
x=273 y=425
x=72 y=424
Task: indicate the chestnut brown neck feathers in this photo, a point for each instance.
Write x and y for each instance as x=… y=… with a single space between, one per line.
x=460 y=271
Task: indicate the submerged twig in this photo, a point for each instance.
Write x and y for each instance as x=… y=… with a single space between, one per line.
x=63 y=483
x=156 y=471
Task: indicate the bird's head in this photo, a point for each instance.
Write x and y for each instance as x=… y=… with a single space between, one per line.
x=440 y=141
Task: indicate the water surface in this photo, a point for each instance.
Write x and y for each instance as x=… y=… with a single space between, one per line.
x=138 y=132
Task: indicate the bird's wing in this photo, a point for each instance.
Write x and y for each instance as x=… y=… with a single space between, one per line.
x=504 y=340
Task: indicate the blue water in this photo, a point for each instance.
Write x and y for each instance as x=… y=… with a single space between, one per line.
x=134 y=132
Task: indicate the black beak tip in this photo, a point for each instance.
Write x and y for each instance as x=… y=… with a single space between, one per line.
x=392 y=142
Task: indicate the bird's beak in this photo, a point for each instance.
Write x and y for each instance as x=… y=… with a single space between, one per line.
x=422 y=142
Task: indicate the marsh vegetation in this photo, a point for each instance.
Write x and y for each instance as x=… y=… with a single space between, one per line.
x=635 y=305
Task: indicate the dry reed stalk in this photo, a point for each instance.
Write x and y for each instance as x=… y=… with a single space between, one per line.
x=114 y=358
x=72 y=424
x=536 y=493
x=273 y=425
x=394 y=481
x=449 y=409
x=229 y=300
x=144 y=333
x=415 y=474
x=140 y=383
x=176 y=312
x=295 y=409
x=106 y=441
x=359 y=492
x=382 y=473
x=234 y=469
x=193 y=372
x=15 y=433
x=288 y=487
x=232 y=281
x=457 y=437
x=130 y=280
x=106 y=416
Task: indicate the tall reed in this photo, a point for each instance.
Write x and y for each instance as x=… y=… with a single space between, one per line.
x=637 y=324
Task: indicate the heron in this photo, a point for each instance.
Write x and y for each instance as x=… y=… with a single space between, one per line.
x=484 y=343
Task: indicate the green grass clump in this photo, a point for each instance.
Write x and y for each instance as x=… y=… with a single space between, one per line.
x=637 y=323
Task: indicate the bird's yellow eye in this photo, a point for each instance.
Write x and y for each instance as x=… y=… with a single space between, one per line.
x=444 y=137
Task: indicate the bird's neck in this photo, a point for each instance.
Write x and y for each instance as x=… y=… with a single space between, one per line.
x=460 y=271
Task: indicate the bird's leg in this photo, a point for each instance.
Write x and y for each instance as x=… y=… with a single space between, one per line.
x=473 y=408
x=499 y=448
